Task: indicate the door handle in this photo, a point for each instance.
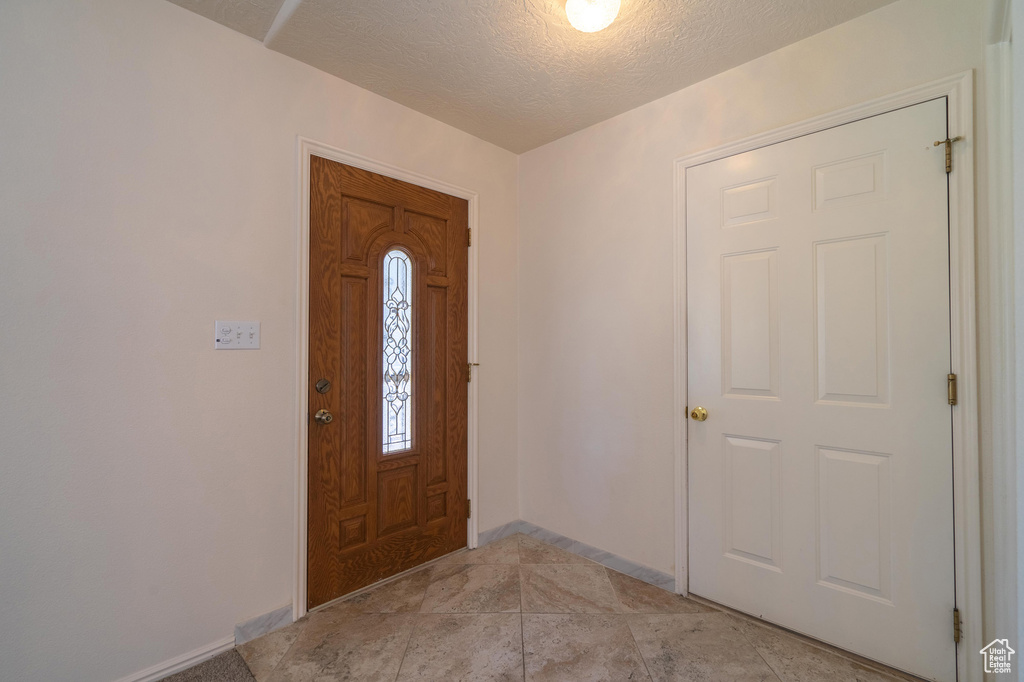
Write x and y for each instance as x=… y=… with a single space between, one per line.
x=699 y=414
x=323 y=416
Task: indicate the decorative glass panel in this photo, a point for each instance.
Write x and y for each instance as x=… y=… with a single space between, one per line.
x=397 y=351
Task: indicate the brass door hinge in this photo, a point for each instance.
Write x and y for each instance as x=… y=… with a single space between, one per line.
x=949 y=150
x=956 y=626
x=469 y=370
x=951 y=388
x=469 y=236
x=469 y=509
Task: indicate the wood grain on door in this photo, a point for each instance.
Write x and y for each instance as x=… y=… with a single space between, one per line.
x=394 y=351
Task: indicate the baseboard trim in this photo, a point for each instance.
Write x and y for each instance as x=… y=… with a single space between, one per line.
x=494 y=534
x=607 y=559
x=182 y=662
x=261 y=625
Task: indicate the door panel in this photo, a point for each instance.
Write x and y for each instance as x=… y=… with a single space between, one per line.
x=820 y=486
x=851 y=324
x=387 y=476
x=753 y=531
x=750 y=330
x=854 y=521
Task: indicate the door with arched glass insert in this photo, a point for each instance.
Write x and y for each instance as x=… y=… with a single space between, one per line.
x=387 y=377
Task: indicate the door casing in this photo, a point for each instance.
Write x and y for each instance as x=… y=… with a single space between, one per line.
x=306 y=149
x=958 y=90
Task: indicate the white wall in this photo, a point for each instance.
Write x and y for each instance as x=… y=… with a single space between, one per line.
x=997 y=320
x=596 y=278
x=1018 y=246
x=149 y=165
x=148 y=185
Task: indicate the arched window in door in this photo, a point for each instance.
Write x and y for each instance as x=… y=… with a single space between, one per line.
x=397 y=423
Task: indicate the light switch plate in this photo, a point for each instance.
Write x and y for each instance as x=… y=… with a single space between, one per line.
x=231 y=335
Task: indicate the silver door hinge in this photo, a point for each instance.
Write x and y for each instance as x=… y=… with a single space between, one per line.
x=949 y=150
x=951 y=388
x=956 y=626
x=469 y=509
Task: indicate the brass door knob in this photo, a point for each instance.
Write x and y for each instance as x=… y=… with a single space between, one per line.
x=699 y=414
x=323 y=416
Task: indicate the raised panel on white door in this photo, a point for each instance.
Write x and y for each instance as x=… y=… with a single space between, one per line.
x=753 y=515
x=851 y=181
x=855 y=538
x=752 y=202
x=852 y=320
x=750 y=325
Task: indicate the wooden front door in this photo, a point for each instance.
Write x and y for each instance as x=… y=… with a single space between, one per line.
x=387 y=377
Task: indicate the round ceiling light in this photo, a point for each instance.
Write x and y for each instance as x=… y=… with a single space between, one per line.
x=591 y=15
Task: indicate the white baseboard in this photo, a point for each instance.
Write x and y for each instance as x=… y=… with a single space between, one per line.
x=182 y=662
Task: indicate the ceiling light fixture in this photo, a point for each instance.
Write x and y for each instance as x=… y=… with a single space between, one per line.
x=591 y=15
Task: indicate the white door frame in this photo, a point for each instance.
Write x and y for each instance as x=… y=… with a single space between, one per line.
x=959 y=91
x=307 y=148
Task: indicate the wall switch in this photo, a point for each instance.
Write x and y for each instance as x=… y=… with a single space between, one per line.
x=236 y=335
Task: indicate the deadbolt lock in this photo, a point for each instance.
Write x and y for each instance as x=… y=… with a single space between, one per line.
x=699 y=414
x=323 y=416
x=323 y=386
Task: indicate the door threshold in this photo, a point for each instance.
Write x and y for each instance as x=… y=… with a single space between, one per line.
x=384 y=581
x=818 y=644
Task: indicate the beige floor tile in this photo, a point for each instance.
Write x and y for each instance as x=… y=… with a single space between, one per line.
x=264 y=653
x=709 y=647
x=533 y=551
x=569 y=588
x=797 y=661
x=346 y=646
x=459 y=620
x=636 y=596
x=580 y=647
x=504 y=551
x=474 y=647
x=485 y=588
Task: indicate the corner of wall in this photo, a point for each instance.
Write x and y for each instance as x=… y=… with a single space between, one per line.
x=519 y=351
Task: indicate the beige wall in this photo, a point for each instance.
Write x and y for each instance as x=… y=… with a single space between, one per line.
x=148 y=186
x=1017 y=494
x=596 y=284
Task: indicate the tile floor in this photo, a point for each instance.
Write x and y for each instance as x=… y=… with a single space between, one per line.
x=520 y=609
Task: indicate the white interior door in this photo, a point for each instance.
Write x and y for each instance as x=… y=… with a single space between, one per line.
x=818 y=331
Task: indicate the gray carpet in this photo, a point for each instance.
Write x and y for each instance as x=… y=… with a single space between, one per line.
x=228 y=667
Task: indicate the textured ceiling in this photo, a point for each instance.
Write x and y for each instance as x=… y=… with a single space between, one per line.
x=251 y=17
x=514 y=72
